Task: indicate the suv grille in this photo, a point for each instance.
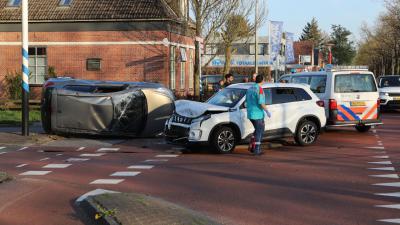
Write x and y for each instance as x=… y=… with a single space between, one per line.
x=181 y=119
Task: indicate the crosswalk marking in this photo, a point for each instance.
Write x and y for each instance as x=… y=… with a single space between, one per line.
x=390 y=221
x=76 y=160
x=396 y=206
x=80 y=149
x=381 y=157
x=394 y=176
x=35 y=173
x=44 y=159
x=107 y=181
x=22 y=165
x=141 y=167
x=383 y=168
x=92 y=155
x=57 y=166
x=393 y=194
x=167 y=156
x=2 y=148
x=395 y=184
x=23 y=148
x=108 y=149
x=381 y=163
x=125 y=174
x=376 y=147
x=156 y=160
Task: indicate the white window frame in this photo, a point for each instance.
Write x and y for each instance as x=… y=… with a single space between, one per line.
x=33 y=69
x=172 y=65
x=183 y=67
x=191 y=69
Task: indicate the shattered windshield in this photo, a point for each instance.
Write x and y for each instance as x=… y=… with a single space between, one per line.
x=227 y=97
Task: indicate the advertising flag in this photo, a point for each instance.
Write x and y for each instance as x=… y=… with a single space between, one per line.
x=276 y=30
x=289 y=48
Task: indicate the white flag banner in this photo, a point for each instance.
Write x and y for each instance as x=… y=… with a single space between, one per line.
x=276 y=30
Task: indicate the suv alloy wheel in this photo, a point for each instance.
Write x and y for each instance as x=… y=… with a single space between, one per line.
x=224 y=140
x=307 y=133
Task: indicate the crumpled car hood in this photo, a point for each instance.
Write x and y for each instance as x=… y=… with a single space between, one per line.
x=192 y=109
x=390 y=89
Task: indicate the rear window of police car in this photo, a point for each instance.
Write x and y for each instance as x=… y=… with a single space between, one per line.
x=317 y=82
x=347 y=83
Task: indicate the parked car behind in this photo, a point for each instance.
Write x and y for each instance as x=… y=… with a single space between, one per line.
x=350 y=95
x=222 y=121
x=107 y=108
x=389 y=91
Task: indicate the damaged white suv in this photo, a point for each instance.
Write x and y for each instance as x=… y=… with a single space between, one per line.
x=222 y=121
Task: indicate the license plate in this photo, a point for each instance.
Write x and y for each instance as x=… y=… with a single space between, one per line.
x=358 y=103
x=396 y=98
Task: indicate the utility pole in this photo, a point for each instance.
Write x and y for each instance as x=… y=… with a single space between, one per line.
x=25 y=69
x=256 y=39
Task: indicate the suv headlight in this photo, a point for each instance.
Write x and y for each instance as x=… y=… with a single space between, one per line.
x=202 y=119
x=384 y=93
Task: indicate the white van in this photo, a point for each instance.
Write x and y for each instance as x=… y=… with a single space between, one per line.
x=350 y=95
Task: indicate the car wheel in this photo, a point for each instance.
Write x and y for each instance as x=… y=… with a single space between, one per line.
x=307 y=133
x=224 y=140
x=363 y=128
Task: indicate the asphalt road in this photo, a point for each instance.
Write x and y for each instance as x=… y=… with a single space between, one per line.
x=347 y=178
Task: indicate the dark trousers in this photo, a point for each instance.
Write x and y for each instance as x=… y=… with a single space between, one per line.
x=259 y=128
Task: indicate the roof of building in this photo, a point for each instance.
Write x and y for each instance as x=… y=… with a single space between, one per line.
x=89 y=10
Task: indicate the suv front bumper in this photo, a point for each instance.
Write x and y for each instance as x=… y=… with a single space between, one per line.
x=390 y=103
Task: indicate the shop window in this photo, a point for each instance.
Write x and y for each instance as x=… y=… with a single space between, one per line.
x=93 y=64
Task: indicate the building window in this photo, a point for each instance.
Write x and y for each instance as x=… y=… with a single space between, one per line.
x=262 y=49
x=172 y=67
x=191 y=69
x=37 y=65
x=65 y=2
x=183 y=67
x=93 y=64
x=14 y=3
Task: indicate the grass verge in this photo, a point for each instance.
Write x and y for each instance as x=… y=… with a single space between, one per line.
x=14 y=117
x=4 y=177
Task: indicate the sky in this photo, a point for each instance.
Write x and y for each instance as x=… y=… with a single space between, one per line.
x=349 y=13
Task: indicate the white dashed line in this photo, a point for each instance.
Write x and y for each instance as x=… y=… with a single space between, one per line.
x=381 y=163
x=141 y=167
x=125 y=174
x=394 y=176
x=167 y=156
x=381 y=157
x=156 y=160
x=44 y=159
x=390 y=221
x=76 y=160
x=108 y=150
x=393 y=194
x=22 y=165
x=107 y=181
x=396 y=206
x=80 y=149
x=21 y=149
x=92 y=155
x=376 y=147
x=383 y=168
x=57 y=166
x=35 y=173
x=395 y=184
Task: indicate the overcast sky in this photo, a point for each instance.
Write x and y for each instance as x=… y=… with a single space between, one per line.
x=348 y=13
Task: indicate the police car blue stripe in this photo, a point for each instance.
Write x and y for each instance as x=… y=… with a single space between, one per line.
x=343 y=116
x=351 y=112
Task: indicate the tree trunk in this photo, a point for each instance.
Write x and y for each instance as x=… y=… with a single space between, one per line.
x=228 y=56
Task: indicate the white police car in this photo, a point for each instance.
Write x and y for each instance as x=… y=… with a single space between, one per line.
x=222 y=121
x=389 y=91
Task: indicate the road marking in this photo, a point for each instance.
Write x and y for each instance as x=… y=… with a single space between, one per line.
x=125 y=174
x=80 y=149
x=44 y=159
x=2 y=148
x=40 y=150
x=395 y=184
x=59 y=154
x=57 y=166
x=92 y=155
x=396 y=206
x=393 y=194
x=376 y=147
x=381 y=157
x=380 y=144
x=21 y=149
x=141 y=167
x=390 y=221
x=35 y=173
x=374 y=131
x=382 y=163
x=1 y=153
x=108 y=150
x=107 y=181
x=167 y=156
x=395 y=176
x=22 y=165
x=383 y=168
x=76 y=160
x=94 y=193
x=156 y=160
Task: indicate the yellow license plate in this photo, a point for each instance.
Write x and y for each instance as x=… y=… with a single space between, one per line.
x=396 y=98
x=357 y=103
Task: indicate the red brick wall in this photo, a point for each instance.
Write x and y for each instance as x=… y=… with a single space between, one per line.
x=141 y=62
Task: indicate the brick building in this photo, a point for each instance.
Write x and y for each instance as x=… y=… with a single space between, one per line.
x=121 y=40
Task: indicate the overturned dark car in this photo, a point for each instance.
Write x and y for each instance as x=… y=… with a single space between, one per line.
x=71 y=106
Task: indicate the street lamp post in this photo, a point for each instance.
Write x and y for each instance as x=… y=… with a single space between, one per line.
x=25 y=70
x=256 y=38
